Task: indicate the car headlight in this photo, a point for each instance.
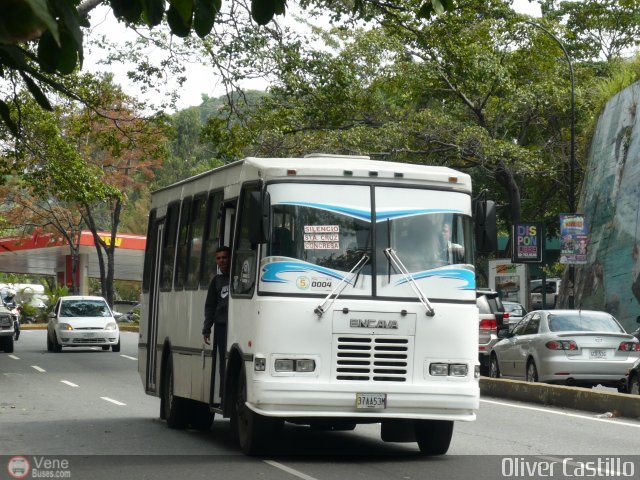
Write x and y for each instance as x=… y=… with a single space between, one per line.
x=65 y=326
x=111 y=326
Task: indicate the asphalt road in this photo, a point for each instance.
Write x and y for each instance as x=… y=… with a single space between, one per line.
x=88 y=407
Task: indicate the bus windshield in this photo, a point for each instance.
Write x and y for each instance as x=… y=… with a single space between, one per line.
x=320 y=232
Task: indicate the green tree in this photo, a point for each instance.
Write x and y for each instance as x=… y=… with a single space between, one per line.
x=87 y=162
x=56 y=27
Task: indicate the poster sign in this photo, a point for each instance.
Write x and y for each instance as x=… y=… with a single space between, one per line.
x=574 y=238
x=527 y=242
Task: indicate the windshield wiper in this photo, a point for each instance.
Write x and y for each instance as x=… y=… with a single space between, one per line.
x=397 y=263
x=355 y=271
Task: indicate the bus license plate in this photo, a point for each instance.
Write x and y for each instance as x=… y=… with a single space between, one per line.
x=596 y=354
x=371 y=400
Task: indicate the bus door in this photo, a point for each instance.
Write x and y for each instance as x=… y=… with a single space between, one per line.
x=227 y=218
x=157 y=230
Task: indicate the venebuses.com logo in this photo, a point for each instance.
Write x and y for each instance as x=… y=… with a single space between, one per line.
x=18 y=467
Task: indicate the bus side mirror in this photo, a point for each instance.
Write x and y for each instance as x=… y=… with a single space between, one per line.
x=259 y=224
x=485 y=226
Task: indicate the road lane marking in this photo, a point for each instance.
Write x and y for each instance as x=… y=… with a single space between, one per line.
x=130 y=358
x=14 y=357
x=113 y=401
x=67 y=382
x=289 y=470
x=566 y=414
x=42 y=370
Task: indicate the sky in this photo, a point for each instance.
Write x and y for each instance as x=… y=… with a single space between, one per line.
x=199 y=78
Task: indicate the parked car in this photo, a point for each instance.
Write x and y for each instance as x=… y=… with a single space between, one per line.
x=552 y=289
x=573 y=347
x=7 y=329
x=81 y=321
x=633 y=379
x=492 y=316
x=515 y=310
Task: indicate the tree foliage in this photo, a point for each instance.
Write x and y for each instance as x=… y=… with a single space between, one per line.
x=45 y=36
x=79 y=166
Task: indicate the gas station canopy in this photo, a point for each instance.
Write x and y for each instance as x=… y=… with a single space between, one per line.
x=49 y=254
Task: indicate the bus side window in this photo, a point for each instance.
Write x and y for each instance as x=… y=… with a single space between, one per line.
x=211 y=238
x=149 y=251
x=169 y=247
x=182 y=254
x=243 y=271
x=196 y=230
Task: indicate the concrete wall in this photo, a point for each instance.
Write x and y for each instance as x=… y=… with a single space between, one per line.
x=610 y=199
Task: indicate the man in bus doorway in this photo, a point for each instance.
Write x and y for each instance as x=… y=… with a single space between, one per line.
x=216 y=307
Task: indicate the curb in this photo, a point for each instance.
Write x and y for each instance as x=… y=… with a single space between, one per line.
x=576 y=398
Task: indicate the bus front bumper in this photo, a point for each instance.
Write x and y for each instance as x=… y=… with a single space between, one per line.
x=454 y=402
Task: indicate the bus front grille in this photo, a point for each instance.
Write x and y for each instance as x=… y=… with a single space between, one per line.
x=372 y=358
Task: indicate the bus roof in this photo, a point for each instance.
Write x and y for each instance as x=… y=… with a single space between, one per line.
x=320 y=165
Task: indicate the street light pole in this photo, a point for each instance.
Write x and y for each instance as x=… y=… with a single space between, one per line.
x=572 y=151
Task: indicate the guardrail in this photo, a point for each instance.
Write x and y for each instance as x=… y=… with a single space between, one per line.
x=576 y=398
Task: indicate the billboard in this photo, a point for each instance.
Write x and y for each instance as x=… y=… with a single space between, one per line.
x=574 y=239
x=527 y=242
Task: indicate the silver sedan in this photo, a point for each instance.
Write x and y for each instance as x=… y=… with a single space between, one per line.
x=573 y=347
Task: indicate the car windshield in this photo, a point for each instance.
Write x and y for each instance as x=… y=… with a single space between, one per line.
x=84 y=308
x=583 y=322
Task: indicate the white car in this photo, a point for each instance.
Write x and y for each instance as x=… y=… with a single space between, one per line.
x=81 y=321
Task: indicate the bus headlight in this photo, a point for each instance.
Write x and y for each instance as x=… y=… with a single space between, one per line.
x=458 y=370
x=448 y=369
x=302 y=365
x=305 y=365
x=439 y=369
x=283 y=365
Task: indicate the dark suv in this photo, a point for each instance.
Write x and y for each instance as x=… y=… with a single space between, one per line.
x=492 y=316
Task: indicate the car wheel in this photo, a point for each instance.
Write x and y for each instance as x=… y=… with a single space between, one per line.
x=433 y=436
x=8 y=344
x=116 y=347
x=634 y=385
x=57 y=348
x=255 y=432
x=174 y=407
x=49 y=343
x=494 y=367
x=532 y=371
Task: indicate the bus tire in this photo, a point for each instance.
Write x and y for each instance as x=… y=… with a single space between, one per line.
x=433 y=436
x=254 y=431
x=174 y=407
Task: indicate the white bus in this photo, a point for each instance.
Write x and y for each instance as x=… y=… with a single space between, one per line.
x=346 y=306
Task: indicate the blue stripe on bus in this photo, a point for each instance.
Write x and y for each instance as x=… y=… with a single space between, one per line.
x=271 y=270
x=351 y=212
x=366 y=215
x=455 y=273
